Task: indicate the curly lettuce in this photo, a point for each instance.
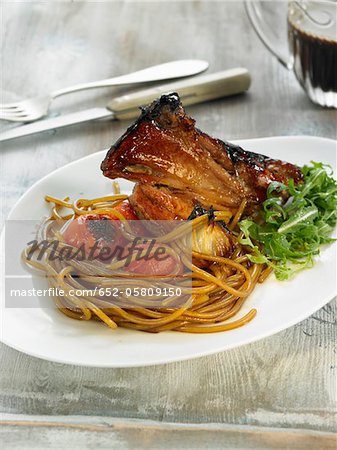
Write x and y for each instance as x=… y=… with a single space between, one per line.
x=286 y=235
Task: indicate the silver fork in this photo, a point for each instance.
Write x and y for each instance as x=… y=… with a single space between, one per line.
x=37 y=107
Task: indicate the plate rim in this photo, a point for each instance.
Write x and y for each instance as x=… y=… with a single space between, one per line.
x=165 y=360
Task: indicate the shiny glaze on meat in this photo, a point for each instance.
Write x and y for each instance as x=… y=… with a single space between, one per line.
x=178 y=166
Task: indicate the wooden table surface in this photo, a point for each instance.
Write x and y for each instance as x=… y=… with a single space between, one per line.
x=277 y=393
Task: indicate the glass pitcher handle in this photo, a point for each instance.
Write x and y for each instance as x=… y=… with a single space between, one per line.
x=256 y=18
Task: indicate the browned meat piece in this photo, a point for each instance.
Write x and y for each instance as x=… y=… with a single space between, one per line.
x=160 y=203
x=176 y=163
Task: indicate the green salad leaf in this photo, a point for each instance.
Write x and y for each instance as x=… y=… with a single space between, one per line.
x=286 y=235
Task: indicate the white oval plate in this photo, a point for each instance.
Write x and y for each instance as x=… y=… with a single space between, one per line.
x=48 y=334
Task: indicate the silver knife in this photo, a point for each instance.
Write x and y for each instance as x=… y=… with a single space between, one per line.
x=191 y=91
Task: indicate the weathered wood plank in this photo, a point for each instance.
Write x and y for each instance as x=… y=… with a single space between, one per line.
x=100 y=432
x=287 y=380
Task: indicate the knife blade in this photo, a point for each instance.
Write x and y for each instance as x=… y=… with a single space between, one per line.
x=193 y=90
x=56 y=122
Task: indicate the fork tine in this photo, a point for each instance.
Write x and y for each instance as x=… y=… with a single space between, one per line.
x=27 y=110
x=13 y=113
x=20 y=117
x=13 y=108
x=7 y=106
x=10 y=105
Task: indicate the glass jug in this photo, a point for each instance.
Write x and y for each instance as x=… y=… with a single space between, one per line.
x=312 y=42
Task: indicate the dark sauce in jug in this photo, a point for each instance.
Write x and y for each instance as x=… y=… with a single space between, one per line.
x=315 y=59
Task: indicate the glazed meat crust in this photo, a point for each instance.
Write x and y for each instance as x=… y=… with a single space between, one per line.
x=178 y=166
x=160 y=203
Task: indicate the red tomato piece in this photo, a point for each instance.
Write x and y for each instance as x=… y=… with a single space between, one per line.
x=97 y=231
x=92 y=231
x=150 y=264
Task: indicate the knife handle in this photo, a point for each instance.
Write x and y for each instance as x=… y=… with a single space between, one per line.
x=191 y=91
